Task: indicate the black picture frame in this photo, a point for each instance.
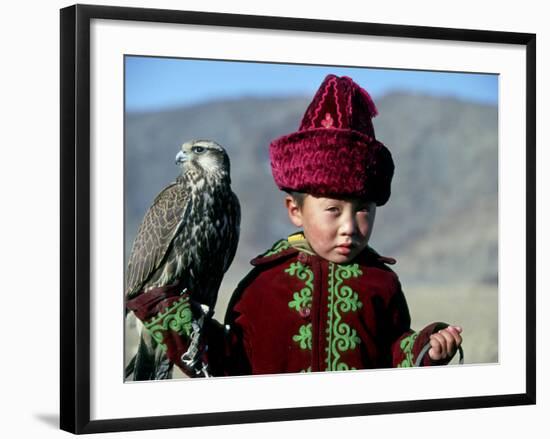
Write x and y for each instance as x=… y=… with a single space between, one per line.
x=75 y=217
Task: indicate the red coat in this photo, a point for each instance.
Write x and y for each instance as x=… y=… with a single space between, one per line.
x=297 y=312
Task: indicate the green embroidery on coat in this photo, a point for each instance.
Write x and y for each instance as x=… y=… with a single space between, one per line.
x=278 y=247
x=304 y=336
x=340 y=336
x=177 y=318
x=406 y=346
x=303 y=298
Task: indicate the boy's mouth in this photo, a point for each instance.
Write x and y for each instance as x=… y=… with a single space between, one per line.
x=345 y=244
x=344 y=249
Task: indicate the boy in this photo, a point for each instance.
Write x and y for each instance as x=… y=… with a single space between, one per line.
x=322 y=299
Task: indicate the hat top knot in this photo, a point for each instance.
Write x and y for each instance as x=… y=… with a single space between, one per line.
x=340 y=103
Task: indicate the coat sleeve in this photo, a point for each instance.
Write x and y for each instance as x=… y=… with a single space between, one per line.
x=168 y=315
x=407 y=344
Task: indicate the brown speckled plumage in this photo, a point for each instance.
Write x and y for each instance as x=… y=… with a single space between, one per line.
x=190 y=232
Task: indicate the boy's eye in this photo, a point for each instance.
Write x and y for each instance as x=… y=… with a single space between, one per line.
x=332 y=209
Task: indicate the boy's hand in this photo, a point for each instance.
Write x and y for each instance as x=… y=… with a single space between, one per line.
x=445 y=343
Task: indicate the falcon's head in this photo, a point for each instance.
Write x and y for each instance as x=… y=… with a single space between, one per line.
x=205 y=154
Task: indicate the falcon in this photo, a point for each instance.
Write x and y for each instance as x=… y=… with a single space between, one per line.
x=188 y=237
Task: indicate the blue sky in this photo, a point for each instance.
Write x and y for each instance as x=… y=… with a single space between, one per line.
x=160 y=83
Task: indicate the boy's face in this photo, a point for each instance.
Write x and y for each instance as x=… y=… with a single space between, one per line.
x=336 y=229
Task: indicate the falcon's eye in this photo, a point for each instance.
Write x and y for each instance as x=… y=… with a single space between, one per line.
x=198 y=149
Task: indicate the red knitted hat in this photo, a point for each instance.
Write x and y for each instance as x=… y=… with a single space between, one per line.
x=334 y=152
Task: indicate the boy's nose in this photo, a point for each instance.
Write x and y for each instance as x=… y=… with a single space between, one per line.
x=348 y=225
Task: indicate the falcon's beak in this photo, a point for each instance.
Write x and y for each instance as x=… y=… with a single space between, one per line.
x=181 y=157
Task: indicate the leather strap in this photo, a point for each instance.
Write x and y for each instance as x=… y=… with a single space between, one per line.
x=427 y=347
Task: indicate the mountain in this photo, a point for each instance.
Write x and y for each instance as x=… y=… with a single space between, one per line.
x=440 y=223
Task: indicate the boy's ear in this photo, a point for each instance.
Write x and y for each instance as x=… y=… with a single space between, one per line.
x=294 y=211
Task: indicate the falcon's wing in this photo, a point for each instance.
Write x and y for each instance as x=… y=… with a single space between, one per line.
x=160 y=224
x=234 y=231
